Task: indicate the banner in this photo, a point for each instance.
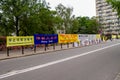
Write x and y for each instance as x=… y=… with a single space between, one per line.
x=114 y=36
x=19 y=40
x=83 y=37
x=118 y=36
x=68 y=38
x=92 y=36
x=98 y=36
x=45 y=38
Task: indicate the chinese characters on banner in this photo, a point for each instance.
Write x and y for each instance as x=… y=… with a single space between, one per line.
x=49 y=39
x=68 y=38
x=45 y=38
x=19 y=40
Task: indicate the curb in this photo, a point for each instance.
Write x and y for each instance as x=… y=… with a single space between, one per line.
x=45 y=52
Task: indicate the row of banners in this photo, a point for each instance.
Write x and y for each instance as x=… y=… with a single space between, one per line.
x=48 y=39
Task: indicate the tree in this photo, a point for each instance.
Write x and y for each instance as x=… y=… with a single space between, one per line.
x=47 y=21
x=13 y=11
x=5 y=26
x=66 y=15
x=87 y=25
x=40 y=23
x=26 y=17
x=82 y=24
x=92 y=26
x=74 y=27
x=57 y=22
x=115 y=4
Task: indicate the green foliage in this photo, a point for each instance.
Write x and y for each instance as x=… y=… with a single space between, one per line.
x=74 y=28
x=87 y=25
x=115 y=4
x=66 y=15
x=28 y=17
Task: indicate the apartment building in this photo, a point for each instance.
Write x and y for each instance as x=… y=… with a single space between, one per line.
x=107 y=18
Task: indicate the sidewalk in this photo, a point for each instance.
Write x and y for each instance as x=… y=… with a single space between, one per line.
x=39 y=50
x=29 y=51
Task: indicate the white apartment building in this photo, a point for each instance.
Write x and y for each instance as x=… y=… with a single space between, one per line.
x=107 y=18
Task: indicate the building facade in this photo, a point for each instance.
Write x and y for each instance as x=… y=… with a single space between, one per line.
x=108 y=19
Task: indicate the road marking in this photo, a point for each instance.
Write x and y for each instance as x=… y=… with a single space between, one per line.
x=51 y=63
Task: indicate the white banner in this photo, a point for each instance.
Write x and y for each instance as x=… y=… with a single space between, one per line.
x=83 y=37
x=87 y=39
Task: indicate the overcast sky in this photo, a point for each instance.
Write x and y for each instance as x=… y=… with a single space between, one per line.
x=80 y=7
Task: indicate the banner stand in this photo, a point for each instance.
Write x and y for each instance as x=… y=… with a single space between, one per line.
x=22 y=49
x=34 y=48
x=67 y=45
x=61 y=46
x=73 y=44
x=53 y=46
x=8 y=51
x=78 y=44
x=46 y=47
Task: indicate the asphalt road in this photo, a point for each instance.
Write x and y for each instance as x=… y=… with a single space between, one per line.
x=97 y=62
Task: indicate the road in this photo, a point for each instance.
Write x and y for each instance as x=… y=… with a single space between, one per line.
x=96 y=62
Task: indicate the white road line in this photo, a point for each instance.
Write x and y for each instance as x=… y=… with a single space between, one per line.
x=51 y=63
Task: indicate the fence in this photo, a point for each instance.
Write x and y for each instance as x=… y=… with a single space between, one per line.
x=46 y=42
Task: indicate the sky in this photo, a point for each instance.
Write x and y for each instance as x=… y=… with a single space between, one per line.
x=80 y=7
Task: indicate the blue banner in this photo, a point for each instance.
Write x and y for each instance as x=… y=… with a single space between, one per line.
x=45 y=38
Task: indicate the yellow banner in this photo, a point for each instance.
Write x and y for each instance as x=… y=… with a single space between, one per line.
x=67 y=38
x=118 y=36
x=114 y=36
x=19 y=40
x=98 y=36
